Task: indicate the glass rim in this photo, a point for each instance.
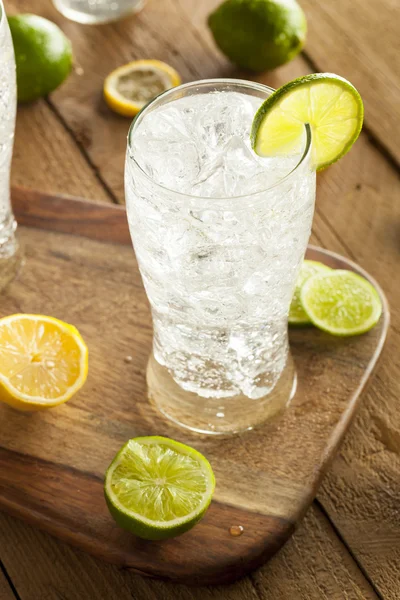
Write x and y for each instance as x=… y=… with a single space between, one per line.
x=206 y=82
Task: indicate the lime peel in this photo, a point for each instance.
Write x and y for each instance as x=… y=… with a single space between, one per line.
x=43 y=55
x=259 y=34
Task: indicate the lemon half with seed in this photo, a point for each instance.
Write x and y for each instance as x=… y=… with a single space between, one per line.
x=132 y=86
x=330 y=105
x=43 y=361
x=158 y=488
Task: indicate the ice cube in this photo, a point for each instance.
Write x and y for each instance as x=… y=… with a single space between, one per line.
x=227 y=114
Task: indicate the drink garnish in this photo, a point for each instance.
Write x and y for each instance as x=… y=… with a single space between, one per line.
x=329 y=104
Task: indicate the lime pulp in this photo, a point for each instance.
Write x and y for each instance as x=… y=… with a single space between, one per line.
x=158 y=488
x=341 y=303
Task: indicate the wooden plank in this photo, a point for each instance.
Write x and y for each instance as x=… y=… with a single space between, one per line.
x=47 y=158
x=343 y=38
x=5 y=589
x=313 y=565
x=63 y=572
x=361 y=491
x=89 y=219
x=263 y=483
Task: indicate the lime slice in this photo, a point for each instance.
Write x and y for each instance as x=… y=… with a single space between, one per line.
x=157 y=488
x=331 y=106
x=297 y=315
x=341 y=303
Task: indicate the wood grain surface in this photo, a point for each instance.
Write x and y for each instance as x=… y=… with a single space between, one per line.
x=263 y=482
x=47 y=158
x=343 y=38
x=313 y=565
x=65 y=214
x=6 y=592
x=357 y=215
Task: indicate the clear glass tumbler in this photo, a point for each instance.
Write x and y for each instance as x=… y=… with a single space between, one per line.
x=91 y=12
x=219 y=234
x=9 y=255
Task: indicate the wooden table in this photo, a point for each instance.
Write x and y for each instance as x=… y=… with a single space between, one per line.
x=348 y=546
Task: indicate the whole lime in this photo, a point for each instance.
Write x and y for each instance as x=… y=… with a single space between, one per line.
x=43 y=55
x=259 y=34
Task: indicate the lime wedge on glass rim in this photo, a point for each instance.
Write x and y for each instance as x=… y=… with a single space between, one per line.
x=158 y=488
x=341 y=303
x=297 y=314
x=328 y=103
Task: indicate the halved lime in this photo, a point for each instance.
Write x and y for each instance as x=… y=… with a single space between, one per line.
x=157 y=488
x=331 y=106
x=341 y=303
x=297 y=315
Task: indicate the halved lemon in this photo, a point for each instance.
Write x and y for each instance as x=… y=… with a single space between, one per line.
x=43 y=361
x=130 y=87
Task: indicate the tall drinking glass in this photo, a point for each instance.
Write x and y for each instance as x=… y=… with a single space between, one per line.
x=91 y=12
x=219 y=235
x=8 y=104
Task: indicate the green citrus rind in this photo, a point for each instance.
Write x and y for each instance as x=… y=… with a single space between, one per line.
x=151 y=529
x=297 y=315
x=341 y=303
x=294 y=86
x=43 y=55
x=259 y=35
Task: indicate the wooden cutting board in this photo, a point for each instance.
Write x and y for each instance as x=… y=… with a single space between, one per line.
x=80 y=267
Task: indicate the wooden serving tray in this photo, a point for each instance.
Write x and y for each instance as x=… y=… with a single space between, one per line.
x=80 y=267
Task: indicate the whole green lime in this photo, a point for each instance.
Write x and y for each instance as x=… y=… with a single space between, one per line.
x=43 y=55
x=259 y=34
